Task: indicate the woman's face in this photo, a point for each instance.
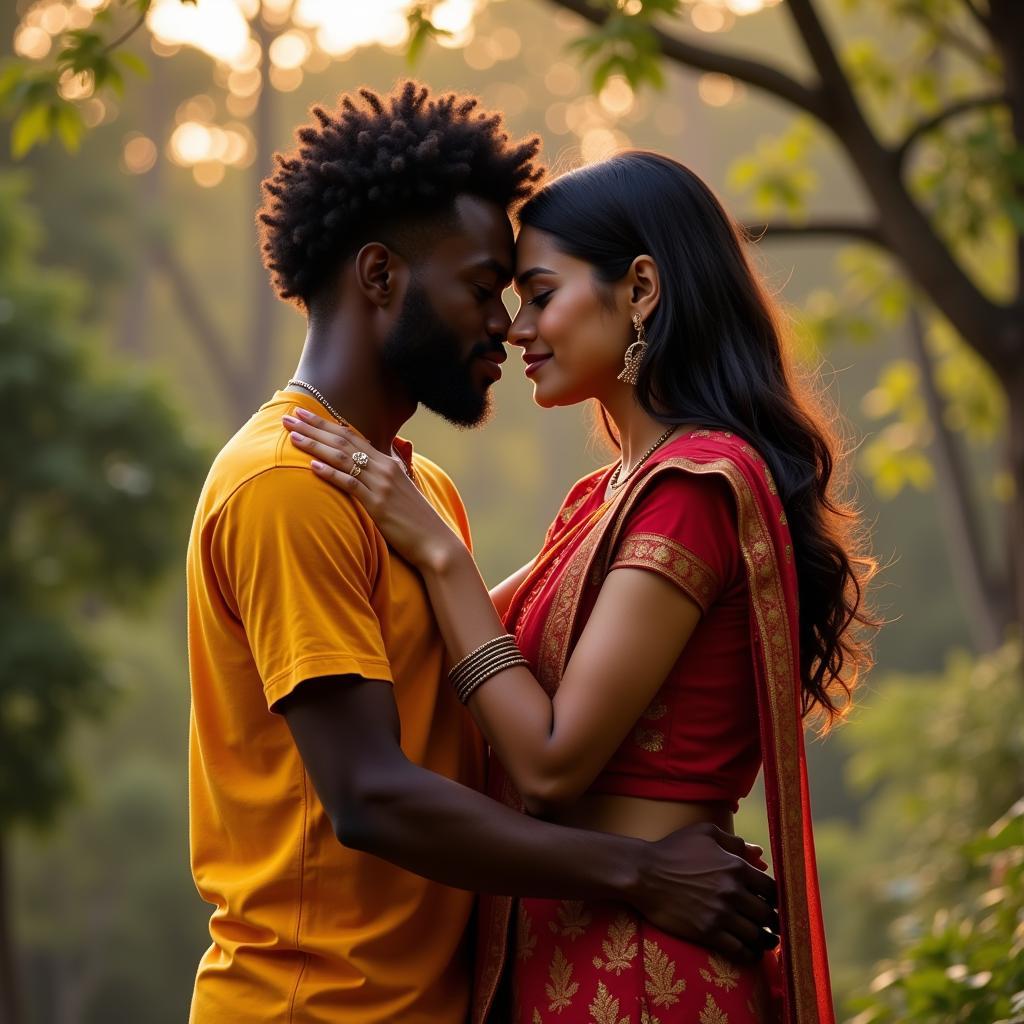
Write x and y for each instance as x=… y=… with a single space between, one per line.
x=573 y=336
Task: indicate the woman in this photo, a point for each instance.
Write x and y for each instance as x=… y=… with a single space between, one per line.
x=635 y=675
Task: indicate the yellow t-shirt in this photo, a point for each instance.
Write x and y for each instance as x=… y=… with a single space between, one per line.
x=289 y=579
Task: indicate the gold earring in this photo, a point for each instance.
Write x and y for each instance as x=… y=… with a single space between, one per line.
x=635 y=353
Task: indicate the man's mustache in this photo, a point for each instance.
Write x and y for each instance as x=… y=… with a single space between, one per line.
x=482 y=349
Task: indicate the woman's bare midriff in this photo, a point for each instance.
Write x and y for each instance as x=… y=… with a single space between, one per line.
x=641 y=818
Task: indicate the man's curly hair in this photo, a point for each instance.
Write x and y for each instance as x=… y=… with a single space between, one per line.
x=376 y=165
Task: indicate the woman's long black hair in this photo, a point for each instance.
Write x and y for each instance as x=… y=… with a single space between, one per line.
x=715 y=358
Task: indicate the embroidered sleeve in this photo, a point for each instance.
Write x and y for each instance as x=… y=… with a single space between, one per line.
x=670 y=559
x=683 y=527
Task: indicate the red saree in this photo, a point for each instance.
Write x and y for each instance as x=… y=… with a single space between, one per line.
x=547 y=615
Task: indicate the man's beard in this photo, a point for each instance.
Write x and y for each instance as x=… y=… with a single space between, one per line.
x=424 y=355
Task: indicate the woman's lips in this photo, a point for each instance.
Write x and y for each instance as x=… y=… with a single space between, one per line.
x=534 y=363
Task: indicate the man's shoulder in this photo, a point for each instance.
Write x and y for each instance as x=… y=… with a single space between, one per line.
x=425 y=466
x=260 y=469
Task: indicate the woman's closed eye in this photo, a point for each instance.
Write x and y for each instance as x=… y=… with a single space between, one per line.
x=542 y=299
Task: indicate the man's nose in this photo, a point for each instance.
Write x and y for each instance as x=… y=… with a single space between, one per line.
x=498 y=322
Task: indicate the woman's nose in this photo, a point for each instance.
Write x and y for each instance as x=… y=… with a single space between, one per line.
x=521 y=332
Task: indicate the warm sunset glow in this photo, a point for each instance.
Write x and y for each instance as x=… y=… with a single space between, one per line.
x=221 y=29
x=218 y=27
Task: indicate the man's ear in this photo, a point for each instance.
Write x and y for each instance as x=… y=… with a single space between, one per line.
x=644 y=286
x=380 y=273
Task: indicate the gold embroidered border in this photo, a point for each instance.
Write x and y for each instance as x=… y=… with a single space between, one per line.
x=772 y=620
x=769 y=606
x=557 y=634
x=672 y=560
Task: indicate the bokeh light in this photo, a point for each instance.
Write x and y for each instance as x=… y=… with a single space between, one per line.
x=718 y=90
x=32 y=41
x=290 y=50
x=285 y=79
x=616 y=96
x=218 y=27
x=208 y=174
x=562 y=79
x=75 y=87
x=711 y=18
x=138 y=154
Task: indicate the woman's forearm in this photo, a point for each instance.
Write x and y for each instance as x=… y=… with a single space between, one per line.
x=512 y=710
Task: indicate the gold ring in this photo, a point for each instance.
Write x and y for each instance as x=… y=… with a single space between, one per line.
x=360 y=460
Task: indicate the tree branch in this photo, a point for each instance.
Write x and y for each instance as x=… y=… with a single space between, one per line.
x=753 y=72
x=957 y=503
x=979 y=15
x=127 y=34
x=929 y=124
x=834 y=81
x=858 y=230
x=967 y=47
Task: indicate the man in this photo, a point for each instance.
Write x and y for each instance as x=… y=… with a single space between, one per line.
x=336 y=823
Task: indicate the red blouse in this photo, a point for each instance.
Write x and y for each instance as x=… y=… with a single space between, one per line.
x=699 y=738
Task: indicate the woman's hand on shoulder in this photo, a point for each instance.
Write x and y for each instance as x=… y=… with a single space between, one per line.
x=347 y=461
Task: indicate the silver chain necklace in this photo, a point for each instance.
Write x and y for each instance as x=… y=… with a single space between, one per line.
x=319 y=396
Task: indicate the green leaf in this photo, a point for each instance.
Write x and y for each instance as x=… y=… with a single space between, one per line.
x=12 y=79
x=30 y=128
x=132 y=62
x=421 y=31
x=70 y=126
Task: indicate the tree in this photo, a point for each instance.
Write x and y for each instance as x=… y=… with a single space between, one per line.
x=945 y=195
x=927 y=884
x=928 y=214
x=94 y=471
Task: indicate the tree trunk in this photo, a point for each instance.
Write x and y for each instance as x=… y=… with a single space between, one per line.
x=132 y=336
x=1015 y=466
x=10 y=997
x=986 y=614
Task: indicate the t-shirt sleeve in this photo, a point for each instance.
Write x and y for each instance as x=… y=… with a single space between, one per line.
x=684 y=528
x=298 y=565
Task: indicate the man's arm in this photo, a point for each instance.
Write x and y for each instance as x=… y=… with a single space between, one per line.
x=694 y=884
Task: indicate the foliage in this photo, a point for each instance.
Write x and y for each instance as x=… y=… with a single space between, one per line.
x=94 y=470
x=115 y=875
x=626 y=45
x=34 y=99
x=937 y=759
x=968 y=966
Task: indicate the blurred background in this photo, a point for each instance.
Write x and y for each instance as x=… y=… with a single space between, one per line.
x=871 y=147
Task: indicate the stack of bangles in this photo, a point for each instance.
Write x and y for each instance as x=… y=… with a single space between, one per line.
x=487 y=660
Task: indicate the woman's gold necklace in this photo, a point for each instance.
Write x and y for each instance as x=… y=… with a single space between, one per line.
x=615 y=482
